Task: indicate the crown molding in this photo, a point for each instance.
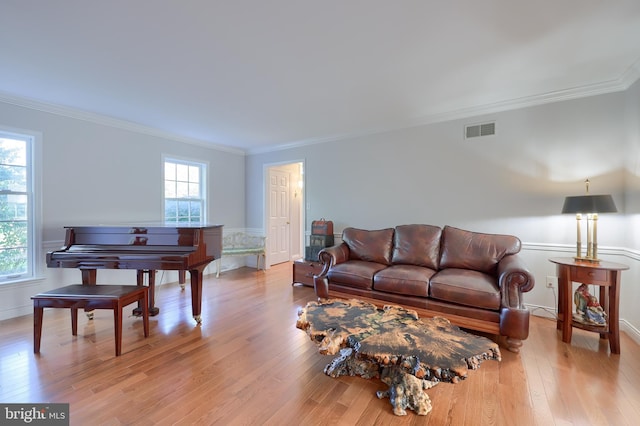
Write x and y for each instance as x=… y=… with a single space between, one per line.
x=631 y=75
x=620 y=84
x=109 y=121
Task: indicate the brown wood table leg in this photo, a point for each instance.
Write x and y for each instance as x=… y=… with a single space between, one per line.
x=613 y=303
x=561 y=296
x=117 y=324
x=565 y=287
x=74 y=321
x=38 y=312
x=604 y=302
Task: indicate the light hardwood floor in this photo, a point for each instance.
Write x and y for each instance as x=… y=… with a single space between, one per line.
x=248 y=364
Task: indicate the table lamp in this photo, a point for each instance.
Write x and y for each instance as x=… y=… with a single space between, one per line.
x=590 y=205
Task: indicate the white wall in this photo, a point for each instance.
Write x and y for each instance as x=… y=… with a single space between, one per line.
x=514 y=182
x=94 y=174
x=631 y=289
x=509 y=182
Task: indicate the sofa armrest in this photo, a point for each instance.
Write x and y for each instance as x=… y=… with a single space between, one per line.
x=329 y=257
x=514 y=279
x=334 y=255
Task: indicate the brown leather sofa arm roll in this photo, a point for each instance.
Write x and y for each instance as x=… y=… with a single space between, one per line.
x=331 y=256
x=328 y=257
x=514 y=279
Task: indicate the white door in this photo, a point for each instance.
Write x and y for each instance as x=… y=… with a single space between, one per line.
x=278 y=238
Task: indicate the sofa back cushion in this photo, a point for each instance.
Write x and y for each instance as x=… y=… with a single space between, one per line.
x=417 y=245
x=372 y=246
x=475 y=251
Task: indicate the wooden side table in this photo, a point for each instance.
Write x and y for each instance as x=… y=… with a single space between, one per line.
x=603 y=274
x=304 y=270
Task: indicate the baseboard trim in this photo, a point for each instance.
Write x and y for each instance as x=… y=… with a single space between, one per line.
x=630 y=330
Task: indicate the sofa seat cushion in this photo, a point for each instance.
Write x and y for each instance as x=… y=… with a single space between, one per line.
x=409 y=280
x=355 y=273
x=465 y=287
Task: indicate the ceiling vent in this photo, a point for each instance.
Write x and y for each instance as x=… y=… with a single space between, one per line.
x=477 y=130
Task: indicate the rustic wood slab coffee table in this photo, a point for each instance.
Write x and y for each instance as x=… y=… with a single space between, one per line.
x=407 y=353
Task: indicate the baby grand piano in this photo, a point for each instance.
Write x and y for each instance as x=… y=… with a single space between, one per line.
x=145 y=248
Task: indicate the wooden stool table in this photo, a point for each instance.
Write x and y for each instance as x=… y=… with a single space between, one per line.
x=114 y=297
x=606 y=275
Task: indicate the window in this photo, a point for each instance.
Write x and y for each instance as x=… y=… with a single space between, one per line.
x=18 y=246
x=184 y=191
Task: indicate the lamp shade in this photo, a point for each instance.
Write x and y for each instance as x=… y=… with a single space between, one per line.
x=589 y=204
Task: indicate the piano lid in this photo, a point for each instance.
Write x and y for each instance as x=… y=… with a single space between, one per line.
x=151 y=224
x=142 y=234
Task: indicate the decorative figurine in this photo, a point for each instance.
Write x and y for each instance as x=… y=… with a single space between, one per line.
x=588 y=309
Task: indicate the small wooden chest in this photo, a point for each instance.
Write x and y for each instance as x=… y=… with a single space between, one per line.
x=304 y=270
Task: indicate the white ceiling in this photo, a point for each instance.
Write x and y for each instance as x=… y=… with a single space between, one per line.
x=259 y=74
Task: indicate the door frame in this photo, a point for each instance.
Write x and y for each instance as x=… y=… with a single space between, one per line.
x=294 y=234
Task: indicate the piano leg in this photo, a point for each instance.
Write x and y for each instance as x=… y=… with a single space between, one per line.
x=88 y=278
x=196 y=293
x=153 y=311
x=182 y=279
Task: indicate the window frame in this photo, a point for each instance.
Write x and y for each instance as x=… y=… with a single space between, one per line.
x=33 y=141
x=203 y=169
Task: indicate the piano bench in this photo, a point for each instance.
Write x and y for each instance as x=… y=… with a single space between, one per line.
x=88 y=297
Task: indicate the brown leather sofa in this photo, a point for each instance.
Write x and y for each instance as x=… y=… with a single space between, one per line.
x=475 y=280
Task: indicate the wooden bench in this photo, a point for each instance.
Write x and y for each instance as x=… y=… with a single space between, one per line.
x=88 y=297
x=241 y=244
